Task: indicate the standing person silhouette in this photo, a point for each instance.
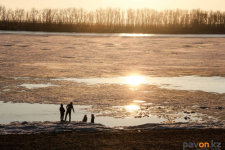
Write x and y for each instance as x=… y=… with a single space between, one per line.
x=62 y=110
x=68 y=110
x=92 y=118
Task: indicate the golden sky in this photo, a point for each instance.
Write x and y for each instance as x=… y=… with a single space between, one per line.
x=124 y=4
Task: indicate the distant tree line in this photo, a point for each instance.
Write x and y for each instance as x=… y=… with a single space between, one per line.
x=113 y=20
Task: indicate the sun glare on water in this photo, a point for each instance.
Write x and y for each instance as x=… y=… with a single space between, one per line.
x=132 y=107
x=135 y=80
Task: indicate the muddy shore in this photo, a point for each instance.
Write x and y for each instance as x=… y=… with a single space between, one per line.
x=156 y=139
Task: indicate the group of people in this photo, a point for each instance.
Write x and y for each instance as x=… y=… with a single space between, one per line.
x=92 y=118
x=69 y=108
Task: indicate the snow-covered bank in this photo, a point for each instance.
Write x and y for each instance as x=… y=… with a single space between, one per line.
x=77 y=126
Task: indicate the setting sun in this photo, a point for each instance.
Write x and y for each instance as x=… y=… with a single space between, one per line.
x=135 y=80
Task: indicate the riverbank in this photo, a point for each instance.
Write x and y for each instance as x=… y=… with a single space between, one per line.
x=155 y=139
x=116 y=31
x=112 y=31
x=47 y=127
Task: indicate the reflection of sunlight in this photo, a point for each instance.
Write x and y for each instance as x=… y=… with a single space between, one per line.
x=138 y=101
x=135 y=80
x=132 y=107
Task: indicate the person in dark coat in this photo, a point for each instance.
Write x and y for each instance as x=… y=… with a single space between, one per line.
x=92 y=118
x=62 y=111
x=69 y=107
x=85 y=118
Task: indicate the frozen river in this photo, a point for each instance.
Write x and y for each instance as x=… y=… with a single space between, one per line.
x=164 y=78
